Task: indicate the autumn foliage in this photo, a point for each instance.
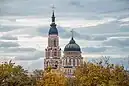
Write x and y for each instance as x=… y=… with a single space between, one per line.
x=53 y=78
x=88 y=74
x=11 y=75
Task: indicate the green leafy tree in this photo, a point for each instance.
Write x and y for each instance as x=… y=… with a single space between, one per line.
x=11 y=75
x=36 y=76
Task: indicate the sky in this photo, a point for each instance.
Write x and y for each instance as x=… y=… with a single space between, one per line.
x=101 y=28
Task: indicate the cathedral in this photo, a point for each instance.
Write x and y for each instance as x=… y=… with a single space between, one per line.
x=71 y=54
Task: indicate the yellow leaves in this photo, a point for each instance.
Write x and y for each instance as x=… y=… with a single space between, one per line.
x=53 y=79
x=91 y=74
x=88 y=74
x=11 y=75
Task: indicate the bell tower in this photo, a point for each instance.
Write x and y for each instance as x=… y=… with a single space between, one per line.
x=53 y=50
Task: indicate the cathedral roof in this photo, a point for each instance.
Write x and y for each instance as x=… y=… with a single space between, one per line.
x=72 y=46
x=53 y=30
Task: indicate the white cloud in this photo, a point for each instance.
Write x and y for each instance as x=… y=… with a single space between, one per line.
x=94 y=49
x=118 y=42
x=31 y=65
x=76 y=23
x=97 y=26
x=34 y=42
x=8 y=44
x=124 y=20
x=8 y=37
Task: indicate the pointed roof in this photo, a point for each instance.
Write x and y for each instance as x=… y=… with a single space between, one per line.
x=53 y=29
x=53 y=17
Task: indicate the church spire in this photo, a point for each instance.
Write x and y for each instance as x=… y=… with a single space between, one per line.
x=53 y=15
x=53 y=29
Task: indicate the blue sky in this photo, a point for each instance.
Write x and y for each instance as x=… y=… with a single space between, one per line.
x=101 y=28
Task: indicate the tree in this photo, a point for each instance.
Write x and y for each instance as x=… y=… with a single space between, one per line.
x=97 y=74
x=53 y=78
x=11 y=75
x=36 y=76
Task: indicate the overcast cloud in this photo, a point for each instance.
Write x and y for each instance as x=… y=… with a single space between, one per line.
x=101 y=27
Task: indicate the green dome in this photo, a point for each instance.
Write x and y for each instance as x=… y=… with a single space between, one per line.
x=72 y=46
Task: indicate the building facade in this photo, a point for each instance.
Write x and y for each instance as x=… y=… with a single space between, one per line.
x=72 y=57
x=53 y=50
x=53 y=58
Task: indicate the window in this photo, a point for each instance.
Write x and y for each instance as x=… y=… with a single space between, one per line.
x=63 y=61
x=54 y=43
x=65 y=71
x=66 y=61
x=77 y=62
x=55 y=54
x=70 y=71
x=47 y=63
x=73 y=62
x=69 y=61
x=56 y=64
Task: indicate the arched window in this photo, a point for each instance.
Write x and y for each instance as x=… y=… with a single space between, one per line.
x=66 y=61
x=56 y=64
x=70 y=71
x=54 y=43
x=65 y=71
x=55 y=54
x=48 y=53
x=47 y=63
x=69 y=61
x=73 y=62
x=63 y=61
x=77 y=62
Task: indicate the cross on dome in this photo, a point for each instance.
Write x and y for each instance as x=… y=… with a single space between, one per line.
x=72 y=33
x=53 y=7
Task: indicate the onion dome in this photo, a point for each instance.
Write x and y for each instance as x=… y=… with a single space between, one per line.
x=72 y=46
x=53 y=30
